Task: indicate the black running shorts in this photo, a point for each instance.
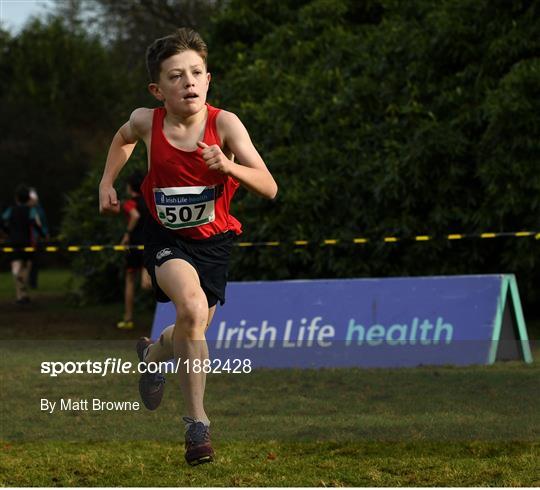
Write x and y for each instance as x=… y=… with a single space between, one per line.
x=134 y=259
x=19 y=253
x=209 y=257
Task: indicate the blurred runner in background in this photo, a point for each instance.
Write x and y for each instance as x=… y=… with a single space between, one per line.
x=20 y=222
x=136 y=212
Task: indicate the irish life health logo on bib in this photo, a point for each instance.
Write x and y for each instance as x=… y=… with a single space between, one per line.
x=185 y=207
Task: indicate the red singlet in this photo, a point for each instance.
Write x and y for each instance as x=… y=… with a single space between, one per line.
x=181 y=193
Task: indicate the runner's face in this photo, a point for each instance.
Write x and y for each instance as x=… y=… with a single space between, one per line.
x=183 y=83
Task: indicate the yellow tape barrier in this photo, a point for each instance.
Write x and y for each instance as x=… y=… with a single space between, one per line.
x=298 y=243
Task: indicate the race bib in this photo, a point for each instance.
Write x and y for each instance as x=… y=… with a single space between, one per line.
x=185 y=207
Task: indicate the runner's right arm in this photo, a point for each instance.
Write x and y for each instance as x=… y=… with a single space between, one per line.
x=121 y=148
x=4 y=220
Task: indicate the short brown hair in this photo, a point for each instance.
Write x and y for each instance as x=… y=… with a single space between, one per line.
x=181 y=40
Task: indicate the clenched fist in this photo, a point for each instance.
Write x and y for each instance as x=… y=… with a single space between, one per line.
x=108 y=201
x=215 y=158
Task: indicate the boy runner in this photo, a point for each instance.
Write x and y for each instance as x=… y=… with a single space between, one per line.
x=188 y=189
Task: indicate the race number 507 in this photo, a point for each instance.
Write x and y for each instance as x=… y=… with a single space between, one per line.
x=184 y=213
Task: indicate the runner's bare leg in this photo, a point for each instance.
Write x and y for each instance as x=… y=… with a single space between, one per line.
x=179 y=281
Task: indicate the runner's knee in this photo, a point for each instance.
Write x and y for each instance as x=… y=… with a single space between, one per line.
x=192 y=317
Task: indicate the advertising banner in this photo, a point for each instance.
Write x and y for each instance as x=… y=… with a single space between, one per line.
x=388 y=322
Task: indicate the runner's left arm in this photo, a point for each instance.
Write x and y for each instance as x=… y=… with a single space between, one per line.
x=250 y=171
x=36 y=222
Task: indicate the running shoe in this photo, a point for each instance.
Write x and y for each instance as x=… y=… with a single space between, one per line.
x=198 y=445
x=125 y=325
x=151 y=385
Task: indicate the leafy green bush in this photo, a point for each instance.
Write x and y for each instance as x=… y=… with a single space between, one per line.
x=377 y=118
x=404 y=118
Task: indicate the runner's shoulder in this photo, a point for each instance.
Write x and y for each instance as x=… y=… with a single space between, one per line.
x=141 y=121
x=228 y=124
x=226 y=118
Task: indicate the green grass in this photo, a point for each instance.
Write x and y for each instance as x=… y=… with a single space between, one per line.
x=150 y=463
x=428 y=426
